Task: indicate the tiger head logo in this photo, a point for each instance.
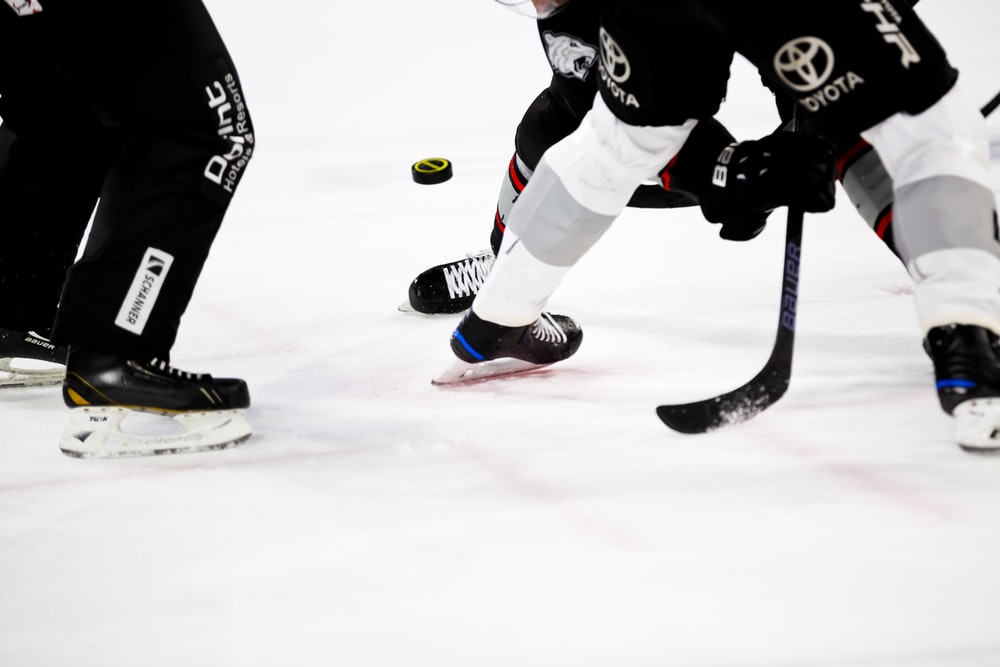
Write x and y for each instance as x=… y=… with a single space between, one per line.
x=569 y=56
x=25 y=7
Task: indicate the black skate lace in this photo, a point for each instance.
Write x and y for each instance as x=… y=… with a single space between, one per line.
x=164 y=367
x=465 y=277
x=546 y=330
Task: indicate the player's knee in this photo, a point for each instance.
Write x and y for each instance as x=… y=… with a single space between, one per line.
x=225 y=166
x=227 y=159
x=621 y=157
x=948 y=139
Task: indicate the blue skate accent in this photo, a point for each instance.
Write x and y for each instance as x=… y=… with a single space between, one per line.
x=968 y=384
x=468 y=348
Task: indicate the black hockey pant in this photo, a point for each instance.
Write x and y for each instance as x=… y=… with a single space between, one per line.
x=135 y=107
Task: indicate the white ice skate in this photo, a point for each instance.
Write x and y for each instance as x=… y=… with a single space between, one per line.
x=485 y=349
x=977 y=425
x=967 y=374
x=113 y=432
x=449 y=288
x=121 y=407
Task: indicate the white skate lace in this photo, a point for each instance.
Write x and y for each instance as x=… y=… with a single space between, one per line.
x=465 y=277
x=546 y=330
x=164 y=367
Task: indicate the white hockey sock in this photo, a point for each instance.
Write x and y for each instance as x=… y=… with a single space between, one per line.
x=518 y=287
x=957 y=286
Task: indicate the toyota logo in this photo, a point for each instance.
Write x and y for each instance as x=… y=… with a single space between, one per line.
x=804 y=63
x=613 y=59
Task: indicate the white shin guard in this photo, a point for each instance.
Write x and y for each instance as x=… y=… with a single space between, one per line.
x=944 y=210
x=519 y=285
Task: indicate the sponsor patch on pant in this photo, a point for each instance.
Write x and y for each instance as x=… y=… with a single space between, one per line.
x=143 y=292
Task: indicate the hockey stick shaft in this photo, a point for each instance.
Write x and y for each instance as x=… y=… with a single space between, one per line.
x=991 y=106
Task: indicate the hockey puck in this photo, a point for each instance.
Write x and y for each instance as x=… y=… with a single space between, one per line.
x=431 y=170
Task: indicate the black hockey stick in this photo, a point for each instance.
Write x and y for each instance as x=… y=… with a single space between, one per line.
x=771 y=382
x=991 y=105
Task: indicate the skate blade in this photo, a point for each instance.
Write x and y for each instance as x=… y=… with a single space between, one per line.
x=977 y=425
x=406 y=307
x=16 y=372
x=102 y=433
x=462 y=371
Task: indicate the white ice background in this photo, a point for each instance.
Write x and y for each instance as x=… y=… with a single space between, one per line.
x=550 y=520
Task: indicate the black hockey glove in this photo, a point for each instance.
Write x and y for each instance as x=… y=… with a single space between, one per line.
x=752 y=178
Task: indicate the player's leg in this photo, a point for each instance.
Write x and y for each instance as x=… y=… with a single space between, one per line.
x=161 y=75
x=869 y=188
x=945 y=229
x=580 y=186
x=570 y=41
x=185 y=139
x=450 y=287
x=49 y=184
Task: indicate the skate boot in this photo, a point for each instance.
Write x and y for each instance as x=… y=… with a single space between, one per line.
x=121 y=407
x=485 y=349
x=30 y=359
x=449 y=288
x=967 y=370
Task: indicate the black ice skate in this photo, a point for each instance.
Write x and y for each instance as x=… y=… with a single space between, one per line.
x=30 y=359
x=450 y=288
x=485 y=349
x=967 y=371
x=123 y=407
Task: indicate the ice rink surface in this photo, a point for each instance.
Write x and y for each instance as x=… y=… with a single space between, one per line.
x=550 y=520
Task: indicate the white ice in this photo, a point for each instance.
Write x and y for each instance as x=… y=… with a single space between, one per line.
x=545 y=521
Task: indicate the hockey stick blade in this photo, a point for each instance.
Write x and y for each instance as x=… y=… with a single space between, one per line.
x=771 y=382
x=990 y=106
